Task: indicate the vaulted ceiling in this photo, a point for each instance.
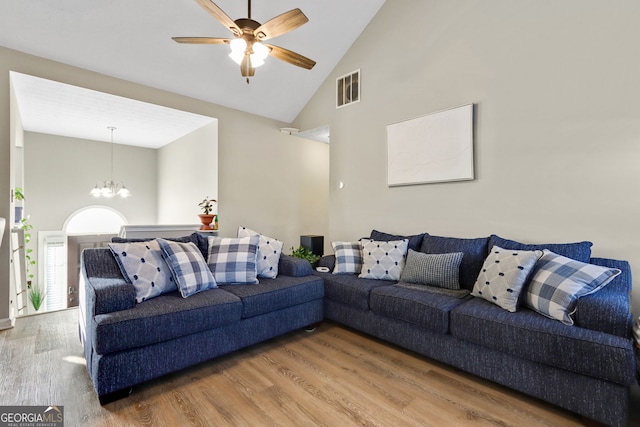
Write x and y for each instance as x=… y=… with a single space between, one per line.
x=131 y=40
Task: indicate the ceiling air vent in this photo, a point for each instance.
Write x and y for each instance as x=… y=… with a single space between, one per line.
x=348 y=89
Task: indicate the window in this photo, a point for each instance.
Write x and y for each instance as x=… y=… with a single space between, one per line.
x=95 y=220
x=54 y=267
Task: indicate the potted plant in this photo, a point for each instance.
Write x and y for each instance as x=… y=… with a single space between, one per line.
x=36 y=296
x=207 y=217
x=305 y=253
x=29 y=261
x=18 y=194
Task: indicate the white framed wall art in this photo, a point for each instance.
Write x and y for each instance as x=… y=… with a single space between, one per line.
x=436 y=147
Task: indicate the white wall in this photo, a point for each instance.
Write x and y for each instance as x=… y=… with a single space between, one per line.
x=187 y=173
x=267 y=180
x=61 y=171
x=557 y=126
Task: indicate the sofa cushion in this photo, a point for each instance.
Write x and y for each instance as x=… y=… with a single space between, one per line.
x=414 y=240
x=188 y=267
x=580 y=251
x=383 y=260
x=144 y=267
x=234 y=260
x=269 y=250
x=530 y=336
x=349 y=289
x=276 y=294
x=163 y=318
x=558 y=282
x=348 y=257
x=503 y=276
x=441 y=270
x=474 y=250
x=421 y=305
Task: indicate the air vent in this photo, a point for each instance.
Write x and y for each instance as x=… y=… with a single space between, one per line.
x=348 y=89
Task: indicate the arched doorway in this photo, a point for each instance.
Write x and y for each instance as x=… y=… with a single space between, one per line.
x=88 y=227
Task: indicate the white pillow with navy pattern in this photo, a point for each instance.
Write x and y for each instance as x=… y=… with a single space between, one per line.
x=188 y=267
x=383 y=260
x=559 y=281
x=142 y=265
x=503 y=275
x=234 y=260
x=269 y=251
x=348 y=257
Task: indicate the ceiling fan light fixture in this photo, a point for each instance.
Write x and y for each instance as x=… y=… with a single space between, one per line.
x=260 y=53
x=238 y=47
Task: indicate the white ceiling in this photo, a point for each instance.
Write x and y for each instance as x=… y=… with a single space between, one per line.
x=60 y=109
x=132 y=40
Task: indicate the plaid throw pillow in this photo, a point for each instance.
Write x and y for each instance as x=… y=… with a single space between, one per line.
x=187 y=266
x=141 y=263
x=269 y=251
x=441 y=270
x=233 y=260
x=383 y=260
x=503 y=276
x=559 y=281
x=348 y=257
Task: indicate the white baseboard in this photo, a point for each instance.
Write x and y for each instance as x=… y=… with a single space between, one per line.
x=6 y=323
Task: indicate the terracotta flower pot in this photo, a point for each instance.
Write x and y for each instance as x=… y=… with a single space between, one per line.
x=206 y=220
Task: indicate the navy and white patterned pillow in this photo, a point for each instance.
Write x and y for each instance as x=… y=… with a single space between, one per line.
x=269 y=251
x=503 y=275
x=348 y=257
x=383 y=260
x=234 y=260
x=441 y=270
x=141 y=263
x=188 y=267
x=559 y=281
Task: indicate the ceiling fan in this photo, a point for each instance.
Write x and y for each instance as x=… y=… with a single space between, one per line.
x=247 y=48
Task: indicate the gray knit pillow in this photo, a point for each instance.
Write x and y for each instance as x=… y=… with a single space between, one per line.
x=441 y=270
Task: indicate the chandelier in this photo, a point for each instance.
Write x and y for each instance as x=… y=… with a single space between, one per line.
x=110 y=188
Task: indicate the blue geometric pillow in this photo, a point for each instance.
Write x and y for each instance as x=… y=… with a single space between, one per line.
x=143 y=266
x=348 y=257
x=269 y=251
x=188 y=267
x=559 y=281
x=234 y=261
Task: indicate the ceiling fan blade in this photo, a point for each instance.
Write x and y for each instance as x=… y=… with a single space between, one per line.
x=201 y=40
x=281 y=24
x=215 y=11
x=290 y=57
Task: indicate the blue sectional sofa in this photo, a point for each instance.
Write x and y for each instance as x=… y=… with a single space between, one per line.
x=587 y=368
x=127 y=343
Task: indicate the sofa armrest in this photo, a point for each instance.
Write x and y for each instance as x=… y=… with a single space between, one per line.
x=294 y=267
x=328 y=261
x=608 y=310
x=106 y=290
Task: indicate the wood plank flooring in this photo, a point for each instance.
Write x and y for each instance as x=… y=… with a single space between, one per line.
x=331 y=377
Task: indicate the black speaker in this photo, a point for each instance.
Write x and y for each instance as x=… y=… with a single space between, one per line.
x=314 y=243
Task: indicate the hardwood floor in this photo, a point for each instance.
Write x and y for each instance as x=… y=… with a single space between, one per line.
x=333 y=377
